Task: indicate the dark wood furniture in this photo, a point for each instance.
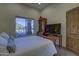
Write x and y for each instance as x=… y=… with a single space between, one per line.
x=42 y=24
x=72 y=23
x=42 y=32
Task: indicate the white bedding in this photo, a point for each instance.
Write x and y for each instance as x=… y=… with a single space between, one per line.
x=3 y=41
x=34 y=46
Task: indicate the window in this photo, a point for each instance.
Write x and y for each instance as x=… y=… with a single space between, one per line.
x=24 y=26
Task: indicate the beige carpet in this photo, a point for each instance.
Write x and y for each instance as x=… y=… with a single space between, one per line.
x=65 y=52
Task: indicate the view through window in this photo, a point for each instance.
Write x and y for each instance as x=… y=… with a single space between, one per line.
x=24 y=26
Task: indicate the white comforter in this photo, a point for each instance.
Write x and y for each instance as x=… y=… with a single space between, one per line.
x=34 y=46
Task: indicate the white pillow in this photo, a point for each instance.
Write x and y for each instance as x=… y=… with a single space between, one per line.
x=3 y=41
x=4 y=35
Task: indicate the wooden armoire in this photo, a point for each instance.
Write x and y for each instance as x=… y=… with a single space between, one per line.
x=42 y=24
x=72 y=27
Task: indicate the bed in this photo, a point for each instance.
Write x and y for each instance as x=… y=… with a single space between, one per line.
x=34 y=46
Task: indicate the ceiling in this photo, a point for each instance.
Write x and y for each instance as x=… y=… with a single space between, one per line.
x=37 y=6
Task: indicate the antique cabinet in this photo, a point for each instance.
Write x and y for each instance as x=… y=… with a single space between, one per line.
x=72 y=27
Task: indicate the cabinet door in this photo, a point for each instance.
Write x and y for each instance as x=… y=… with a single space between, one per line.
x=77 y=22
x=68 y=23
x=67 y=42
x=73 y=22
x=78 y=44
x=75 y=44
x=70 y=43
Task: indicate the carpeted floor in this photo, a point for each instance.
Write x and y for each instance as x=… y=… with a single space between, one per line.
x=65 y=52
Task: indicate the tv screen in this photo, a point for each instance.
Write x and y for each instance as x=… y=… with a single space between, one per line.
x=53 y=28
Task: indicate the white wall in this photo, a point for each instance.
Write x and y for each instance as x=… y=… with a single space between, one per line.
x=56 y=13
x=8 y=12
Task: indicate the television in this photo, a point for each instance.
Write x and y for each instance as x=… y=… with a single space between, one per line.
x=53 y=28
